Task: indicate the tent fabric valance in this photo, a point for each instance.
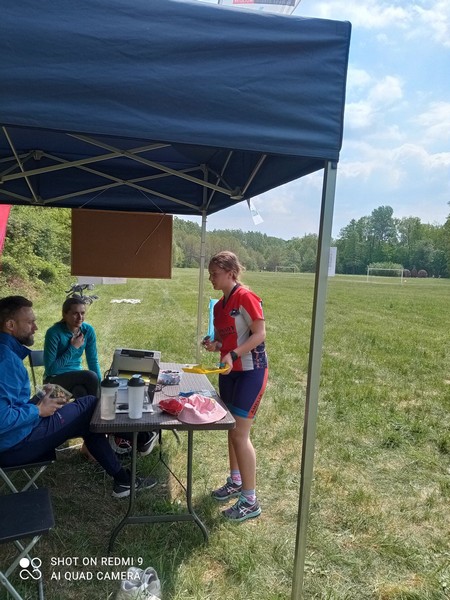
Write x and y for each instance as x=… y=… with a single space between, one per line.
x=184 y=108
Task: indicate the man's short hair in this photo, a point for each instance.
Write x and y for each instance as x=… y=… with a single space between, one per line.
x=10 y=305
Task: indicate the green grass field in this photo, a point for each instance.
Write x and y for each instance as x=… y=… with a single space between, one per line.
x=379 y=520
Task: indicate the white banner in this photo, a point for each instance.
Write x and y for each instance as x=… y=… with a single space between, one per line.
x=332 y=262
x=100 y=280
x=286 y=7
x=257 y=218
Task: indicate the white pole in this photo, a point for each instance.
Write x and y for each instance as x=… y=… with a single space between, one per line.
x=201 y=279
x=312 y=389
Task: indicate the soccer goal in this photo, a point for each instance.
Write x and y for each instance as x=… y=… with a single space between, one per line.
x=281 y=269
x=378 y=275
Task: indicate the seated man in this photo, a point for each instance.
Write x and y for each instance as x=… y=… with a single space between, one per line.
x=65 y=343
x=30 y=429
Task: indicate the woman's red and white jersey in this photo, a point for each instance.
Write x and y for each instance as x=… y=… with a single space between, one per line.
x=233 y=320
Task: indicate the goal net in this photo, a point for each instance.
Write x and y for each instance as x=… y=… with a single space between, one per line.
x=281 y=269
x=379 y=275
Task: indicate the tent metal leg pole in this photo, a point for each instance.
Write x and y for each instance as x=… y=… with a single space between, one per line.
x=312 y=390
x=201 y=280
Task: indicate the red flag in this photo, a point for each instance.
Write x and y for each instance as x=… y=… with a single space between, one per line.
x=4 y=214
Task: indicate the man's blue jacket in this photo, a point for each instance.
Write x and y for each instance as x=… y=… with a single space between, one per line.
x=18 y=416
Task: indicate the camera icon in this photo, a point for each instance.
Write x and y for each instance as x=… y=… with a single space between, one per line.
x=30 y=568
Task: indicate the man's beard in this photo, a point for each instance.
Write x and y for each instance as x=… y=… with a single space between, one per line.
x=26 y=341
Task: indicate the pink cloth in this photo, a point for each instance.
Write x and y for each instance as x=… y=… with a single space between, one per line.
x=200 y=409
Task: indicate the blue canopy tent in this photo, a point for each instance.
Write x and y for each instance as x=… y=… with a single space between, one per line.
x=173 y=107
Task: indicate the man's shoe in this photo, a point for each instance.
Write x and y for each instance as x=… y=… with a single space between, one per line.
x=122 y=490
x=227 y=491
x=242 y=510
x=120 y=445
x=129 y=590
x=144 y=580
x=147 y=447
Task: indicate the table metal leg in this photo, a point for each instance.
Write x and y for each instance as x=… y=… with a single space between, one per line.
x=191 y=515
x=190 y=454
x=132 y=495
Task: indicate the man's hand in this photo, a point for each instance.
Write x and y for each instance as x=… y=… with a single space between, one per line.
x=48 y=388
x=48 y=406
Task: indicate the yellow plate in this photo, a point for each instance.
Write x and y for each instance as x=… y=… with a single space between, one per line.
x=205 y=370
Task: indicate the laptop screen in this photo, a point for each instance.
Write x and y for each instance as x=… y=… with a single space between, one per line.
x=128 y=362
x=152 y=381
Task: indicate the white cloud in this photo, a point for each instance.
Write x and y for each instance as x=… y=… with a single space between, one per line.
x=439 y=160
x=356 y=169
x=391 y=161
x=384 y=40
x=414 y=164
x=357 y=79
x=358 y=115
x=280 y=201
x=384 y=94
x=389 y=134
x=436 y=122
x=370 y=14
x=411 y=153
x=436 y=21
x=431 y=21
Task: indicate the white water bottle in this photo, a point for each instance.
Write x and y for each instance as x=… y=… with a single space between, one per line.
x=136 y=391
x=108 y=398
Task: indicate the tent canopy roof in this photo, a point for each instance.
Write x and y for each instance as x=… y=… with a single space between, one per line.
x=160 y=105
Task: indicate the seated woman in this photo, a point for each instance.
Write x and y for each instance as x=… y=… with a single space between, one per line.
x=65 y=343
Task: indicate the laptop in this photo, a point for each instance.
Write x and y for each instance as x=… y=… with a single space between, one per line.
x=134 y=361
x=127 y=363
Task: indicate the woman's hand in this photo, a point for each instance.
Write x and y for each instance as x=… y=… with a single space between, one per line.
x=77 y=339
x=228 y=361
x=211 y=346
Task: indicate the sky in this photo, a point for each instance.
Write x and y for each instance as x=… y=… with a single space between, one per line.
x=396 y=145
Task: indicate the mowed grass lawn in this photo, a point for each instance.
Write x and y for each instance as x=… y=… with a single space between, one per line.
x=380 y=516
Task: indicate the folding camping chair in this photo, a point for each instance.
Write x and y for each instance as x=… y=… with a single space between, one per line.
x=34 y=469
x=24 y=515
x=36 y=358
x=31 y=471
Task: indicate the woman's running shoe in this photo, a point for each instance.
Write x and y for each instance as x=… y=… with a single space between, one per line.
x=242 y=510
x=227 y=491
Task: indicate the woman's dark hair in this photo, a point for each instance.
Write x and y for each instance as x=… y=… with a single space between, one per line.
x=69 y=302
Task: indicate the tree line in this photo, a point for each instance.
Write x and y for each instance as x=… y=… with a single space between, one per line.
x=379 y=239
x=38 y=242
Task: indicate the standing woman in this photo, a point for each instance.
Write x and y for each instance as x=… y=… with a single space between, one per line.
x=65 y=343
x=239 y=334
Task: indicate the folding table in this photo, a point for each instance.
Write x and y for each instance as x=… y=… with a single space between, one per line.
x=158 y=421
